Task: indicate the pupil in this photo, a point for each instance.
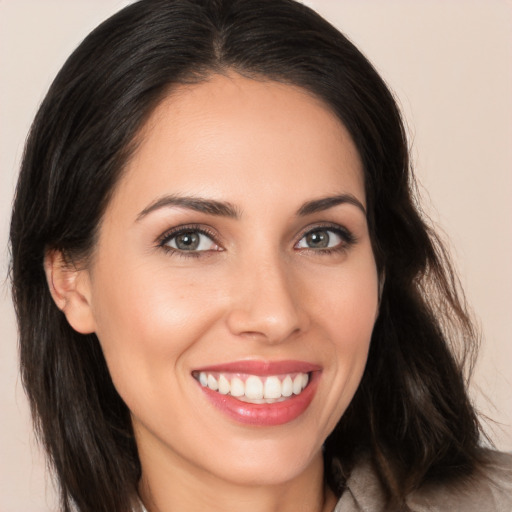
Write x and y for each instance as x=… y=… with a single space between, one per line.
x=318 y=239
x=187 y=241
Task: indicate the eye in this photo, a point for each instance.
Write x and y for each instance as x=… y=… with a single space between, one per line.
x=189 y=240
x=325 y=238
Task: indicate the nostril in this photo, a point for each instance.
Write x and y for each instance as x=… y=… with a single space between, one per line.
x=264 y=302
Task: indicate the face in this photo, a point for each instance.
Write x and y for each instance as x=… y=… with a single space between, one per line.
x=234 y=288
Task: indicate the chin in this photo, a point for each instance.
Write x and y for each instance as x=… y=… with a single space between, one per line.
x=268 y=462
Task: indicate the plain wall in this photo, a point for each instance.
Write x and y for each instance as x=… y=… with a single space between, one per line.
x=448 y=62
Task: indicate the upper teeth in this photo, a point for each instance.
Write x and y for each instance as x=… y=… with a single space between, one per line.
x=254 y=388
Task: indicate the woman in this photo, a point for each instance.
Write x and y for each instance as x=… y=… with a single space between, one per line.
x=225 y=292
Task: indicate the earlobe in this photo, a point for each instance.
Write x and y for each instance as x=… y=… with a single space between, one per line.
x=382 y=280
x=71 y=291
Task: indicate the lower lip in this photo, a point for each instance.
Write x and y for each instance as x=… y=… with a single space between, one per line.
x=265 y=415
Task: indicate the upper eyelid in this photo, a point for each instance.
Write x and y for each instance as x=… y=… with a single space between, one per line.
x=327 y=226
x=217 y=238
x=348 y=239
x=175 y=231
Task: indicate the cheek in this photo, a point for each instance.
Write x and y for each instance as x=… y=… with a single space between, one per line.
x=356 y=316
x=346 y=302
x=346 y=313
x=146 y=321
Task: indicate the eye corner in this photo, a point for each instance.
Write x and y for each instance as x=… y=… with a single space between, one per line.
x=197 y=240
x=327 y=237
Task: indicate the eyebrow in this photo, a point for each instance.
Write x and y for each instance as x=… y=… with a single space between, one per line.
x=198 y=204
x=324 y=203
x=225 y=209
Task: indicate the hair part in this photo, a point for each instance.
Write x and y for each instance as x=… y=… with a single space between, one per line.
x=411 y=411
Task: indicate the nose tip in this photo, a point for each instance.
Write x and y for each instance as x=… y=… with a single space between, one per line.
x=266 y=306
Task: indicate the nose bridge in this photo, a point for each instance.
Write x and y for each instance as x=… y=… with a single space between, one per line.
x=265 y=299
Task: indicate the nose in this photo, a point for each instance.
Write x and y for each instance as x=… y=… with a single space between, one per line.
x=265 y=302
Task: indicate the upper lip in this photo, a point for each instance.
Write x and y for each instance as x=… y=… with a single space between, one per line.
x=262 y=368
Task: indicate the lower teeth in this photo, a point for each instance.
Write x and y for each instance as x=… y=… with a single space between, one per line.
x=260 y=400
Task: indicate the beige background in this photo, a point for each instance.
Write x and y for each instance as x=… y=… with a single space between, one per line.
x=449 y=63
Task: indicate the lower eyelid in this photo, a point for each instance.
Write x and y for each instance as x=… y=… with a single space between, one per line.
x=171 y=234
x=346 y=237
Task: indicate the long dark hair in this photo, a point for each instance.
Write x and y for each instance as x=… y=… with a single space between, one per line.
x=411 y=412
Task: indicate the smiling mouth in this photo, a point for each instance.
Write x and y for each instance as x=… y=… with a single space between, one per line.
x=254 y=389
x=260 y=393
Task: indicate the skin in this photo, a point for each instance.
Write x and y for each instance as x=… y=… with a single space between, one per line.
x=256 y=292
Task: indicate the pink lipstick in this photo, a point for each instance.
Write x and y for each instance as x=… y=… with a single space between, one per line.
x=264 y=393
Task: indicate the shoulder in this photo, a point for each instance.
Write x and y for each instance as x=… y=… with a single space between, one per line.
x=490 y=489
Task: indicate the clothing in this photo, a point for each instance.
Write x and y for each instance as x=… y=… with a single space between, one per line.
x=490 y=492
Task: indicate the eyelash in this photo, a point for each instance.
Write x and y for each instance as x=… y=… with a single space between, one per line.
x=347 y=239
x=164 y=239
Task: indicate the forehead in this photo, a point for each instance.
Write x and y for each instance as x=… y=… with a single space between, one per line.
x=259 y=136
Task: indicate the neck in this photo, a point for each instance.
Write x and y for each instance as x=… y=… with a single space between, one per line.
x=174 y=488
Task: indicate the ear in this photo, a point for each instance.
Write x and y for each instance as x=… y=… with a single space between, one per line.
x=71 y=290
x=382 y=280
